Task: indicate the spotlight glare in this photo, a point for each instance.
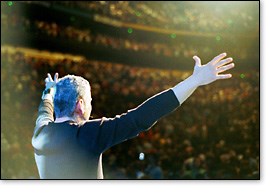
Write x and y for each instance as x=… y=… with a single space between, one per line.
x=218 y=38
x=141 y=156
x=173 y=36
x=130 y=30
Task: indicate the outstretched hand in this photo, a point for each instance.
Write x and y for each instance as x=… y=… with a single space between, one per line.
x=205 y=74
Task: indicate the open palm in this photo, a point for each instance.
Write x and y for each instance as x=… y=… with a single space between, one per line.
x=209 y=72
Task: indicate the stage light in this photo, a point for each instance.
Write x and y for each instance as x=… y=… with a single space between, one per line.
x=230 y=22
x=130 y=30
x=242 y=76
x=218 y=38
x=173 y=36
x=138 y=13
x=141 y=156
x=10 y=3
x=72 y=18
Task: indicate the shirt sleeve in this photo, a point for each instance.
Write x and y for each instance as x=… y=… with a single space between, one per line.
x=45 y=115
x=128 y=125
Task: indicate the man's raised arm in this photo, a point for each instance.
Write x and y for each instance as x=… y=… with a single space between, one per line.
x=130 y=124
x=45 y=110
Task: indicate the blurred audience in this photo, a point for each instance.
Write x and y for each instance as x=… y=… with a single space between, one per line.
x=191 y=16
x=12 y=22
x=213 y=135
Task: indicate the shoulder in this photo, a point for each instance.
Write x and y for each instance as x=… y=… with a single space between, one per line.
x=94 y=123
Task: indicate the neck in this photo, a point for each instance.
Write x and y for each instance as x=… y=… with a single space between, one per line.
x=63 y=119
x=75 y=119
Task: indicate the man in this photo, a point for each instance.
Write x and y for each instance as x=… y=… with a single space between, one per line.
x=71 y=146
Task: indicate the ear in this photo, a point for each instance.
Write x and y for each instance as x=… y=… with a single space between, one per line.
x=80 y=108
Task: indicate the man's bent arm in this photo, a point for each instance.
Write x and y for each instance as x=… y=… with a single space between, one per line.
x=45 y=113
x=46 y=109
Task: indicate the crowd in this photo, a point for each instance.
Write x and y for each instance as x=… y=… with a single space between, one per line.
x=191 y=16
x=15 y=23
x=213 y=135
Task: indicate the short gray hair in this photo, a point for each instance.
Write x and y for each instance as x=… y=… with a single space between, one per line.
x=68 y=90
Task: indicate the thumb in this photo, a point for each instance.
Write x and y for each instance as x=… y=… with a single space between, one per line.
x=197 y=60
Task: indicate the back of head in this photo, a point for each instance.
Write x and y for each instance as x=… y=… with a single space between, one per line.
x=69 y=90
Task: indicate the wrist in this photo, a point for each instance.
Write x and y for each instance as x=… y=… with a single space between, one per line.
x=47 y=91
x=185 y=88
x=48 y=94
x=193 y=81
x=47 y=97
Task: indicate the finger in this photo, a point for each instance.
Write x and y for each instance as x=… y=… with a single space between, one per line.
x=50 y=78
x=197 y=60
x=218 y=58
x=56 y=77
x=47 y=79
x=224 y=68
x=223 y=62
x=224 y=76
